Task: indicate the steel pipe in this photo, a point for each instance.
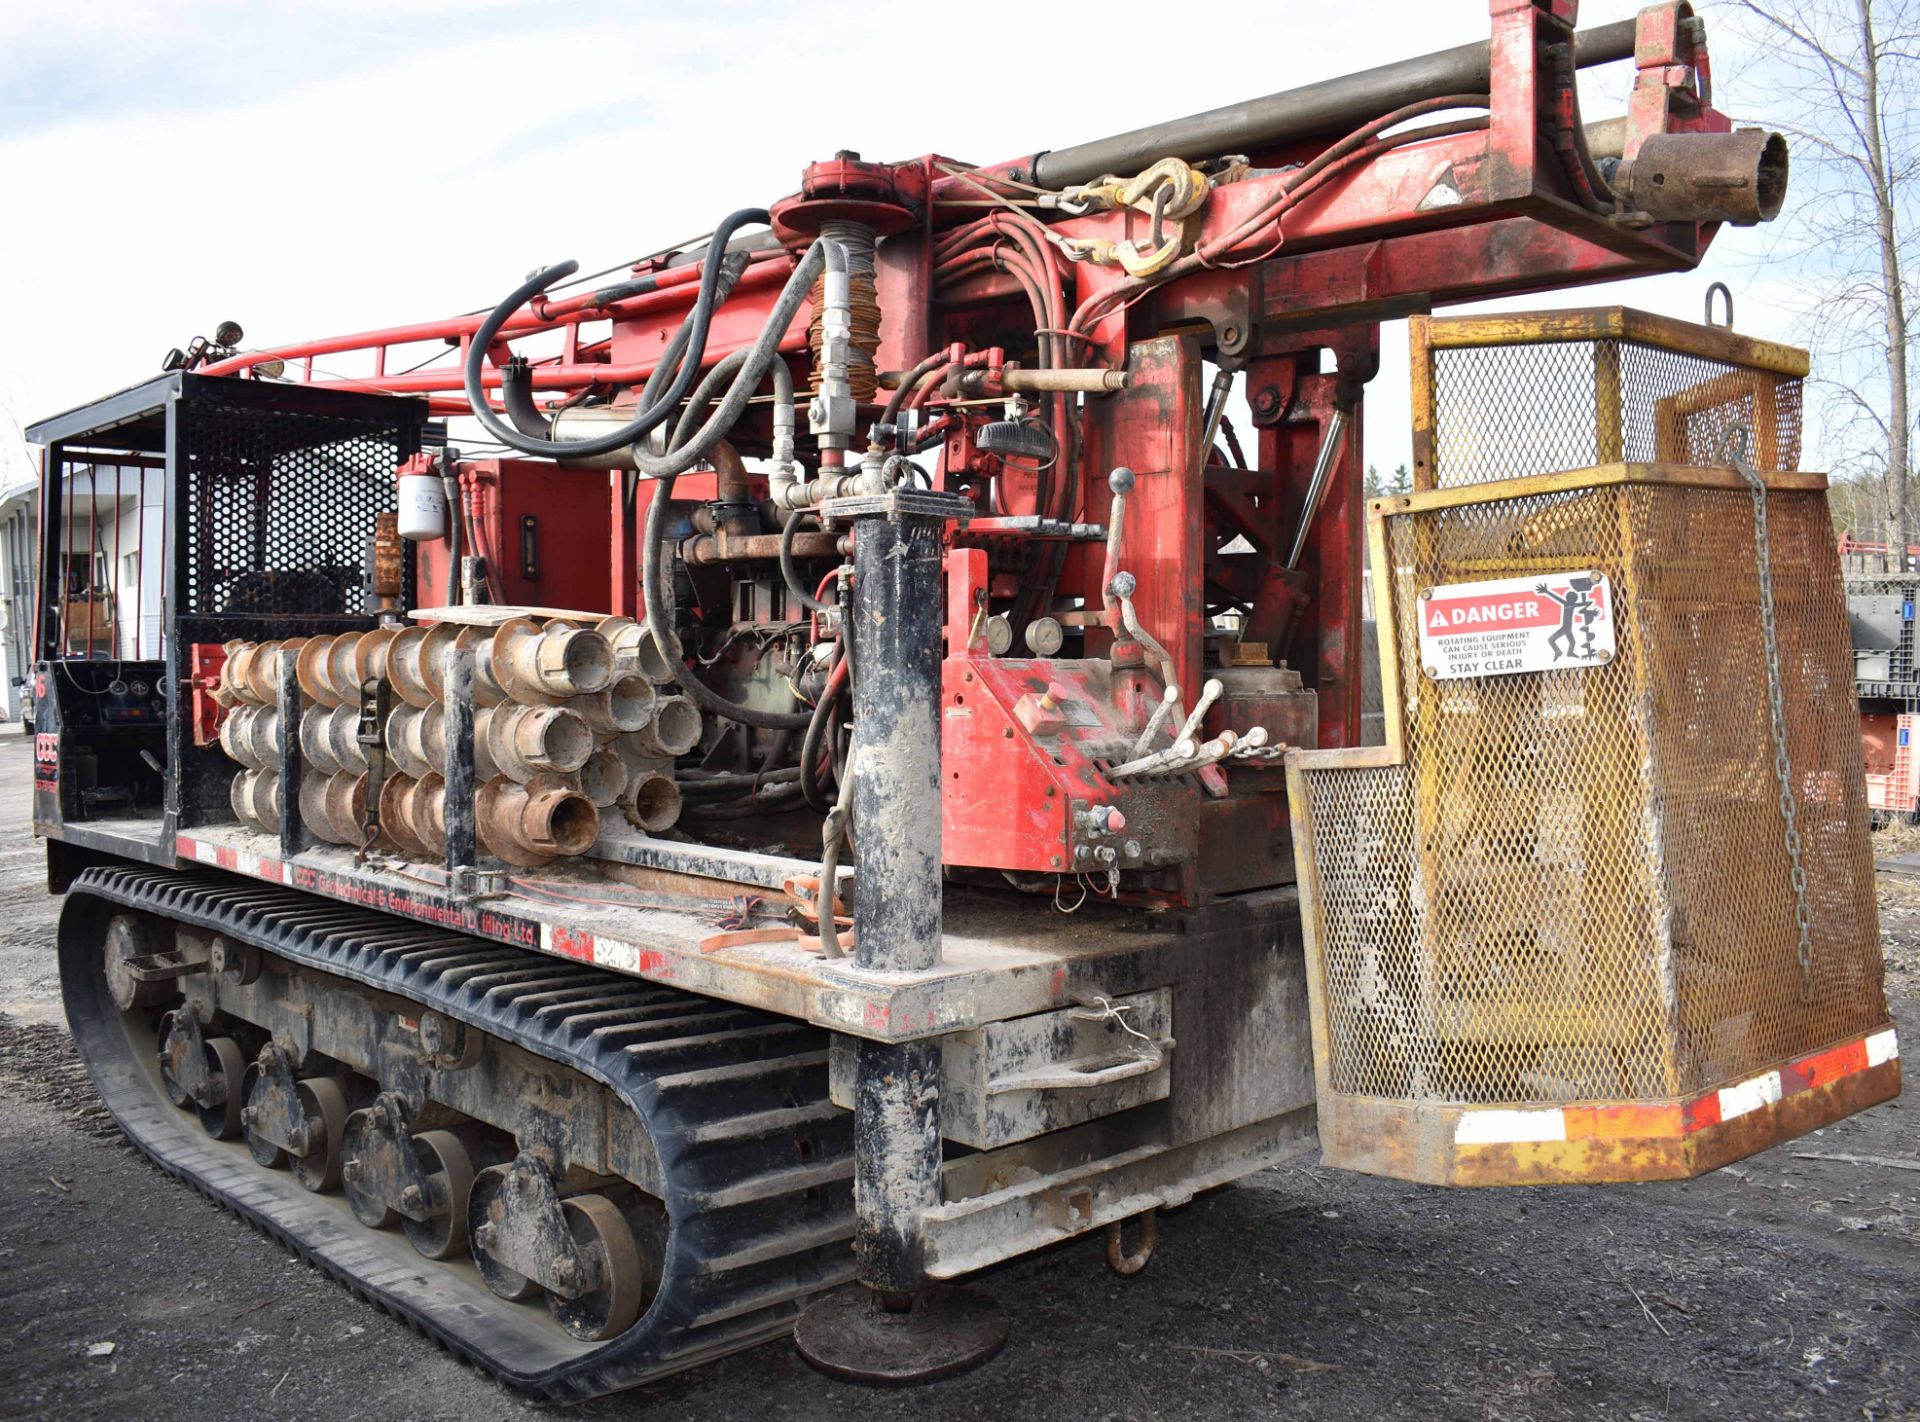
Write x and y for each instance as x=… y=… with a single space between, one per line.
x=674 y=730
x=330 y=741
x=413 y=814
x=250 y=734
x=536 y=823
x=634 y=650
x=1330 y=106
x=334 y=807
x=521 y=742
x=652 y=802
x=603 y=779
x=626 y=705
x=530 y=662
x=1738 y=177
x=254 y=796
x=416 y=739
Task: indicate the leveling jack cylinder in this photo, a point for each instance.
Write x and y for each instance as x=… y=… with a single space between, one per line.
x=896 y=1329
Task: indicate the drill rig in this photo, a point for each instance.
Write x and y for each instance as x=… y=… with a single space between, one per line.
x=857 y=773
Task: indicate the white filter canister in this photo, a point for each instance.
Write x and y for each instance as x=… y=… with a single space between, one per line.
x=423 y=508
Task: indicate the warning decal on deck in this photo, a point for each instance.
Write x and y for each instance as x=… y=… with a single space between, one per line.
x=1510 y=625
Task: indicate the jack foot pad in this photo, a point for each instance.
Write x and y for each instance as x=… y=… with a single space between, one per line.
x=852 y=1335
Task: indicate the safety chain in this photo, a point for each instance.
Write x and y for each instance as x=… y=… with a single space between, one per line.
x=1734 y=446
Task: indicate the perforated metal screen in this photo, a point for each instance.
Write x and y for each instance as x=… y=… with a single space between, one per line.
x=1560 y=405
x=280 y=502
x=1577 y=887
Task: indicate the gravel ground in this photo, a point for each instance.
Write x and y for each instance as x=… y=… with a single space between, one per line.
x=1787 y=1286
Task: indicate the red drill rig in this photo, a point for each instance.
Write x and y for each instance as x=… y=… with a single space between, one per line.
x=802 y=798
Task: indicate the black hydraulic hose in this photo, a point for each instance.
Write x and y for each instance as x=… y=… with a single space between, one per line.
x=909 y=383
x=653 y=590
x=516 y=393
x=747 y=369
x=649 y=416
x=791 y=573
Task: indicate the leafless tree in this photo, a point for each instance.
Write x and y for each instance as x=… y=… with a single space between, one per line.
x=1842 y=79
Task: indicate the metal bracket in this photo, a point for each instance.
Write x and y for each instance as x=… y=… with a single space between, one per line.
x=522 y=1226
x=385 y=1166
x=183 y=1057
x=898 y=503
x=273 y=1111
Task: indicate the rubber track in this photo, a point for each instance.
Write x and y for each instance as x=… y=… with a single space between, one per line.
x=757 y=1164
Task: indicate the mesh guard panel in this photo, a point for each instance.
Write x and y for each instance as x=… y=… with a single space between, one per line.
x=281 y=502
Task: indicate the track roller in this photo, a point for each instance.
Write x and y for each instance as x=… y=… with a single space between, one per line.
x=205 y=1074
x=420 y=1182
x=440 y=1230
x=294 y=1123
x=581 y=1250
x=323 y=1124
x=259 y=1146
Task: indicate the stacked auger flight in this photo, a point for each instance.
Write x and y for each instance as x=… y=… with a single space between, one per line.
x=568 y=721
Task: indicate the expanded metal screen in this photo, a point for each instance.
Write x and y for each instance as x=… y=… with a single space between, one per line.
x=1503 y=409
x=1576 y=887
x=280 y=501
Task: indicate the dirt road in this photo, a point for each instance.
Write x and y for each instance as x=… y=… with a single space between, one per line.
x=1784 y=1287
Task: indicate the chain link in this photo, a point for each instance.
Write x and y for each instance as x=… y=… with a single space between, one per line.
x=1734 y=447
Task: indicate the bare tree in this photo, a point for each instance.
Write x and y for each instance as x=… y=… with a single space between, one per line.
x=1842 y=78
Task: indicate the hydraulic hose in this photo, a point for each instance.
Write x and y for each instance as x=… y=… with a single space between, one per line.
x=450 y=483
x=810 y=746
x=765 y=356
x=696 y=326
x=791 y=573
x=516 y=393
x=909 y=383
x=747 y=368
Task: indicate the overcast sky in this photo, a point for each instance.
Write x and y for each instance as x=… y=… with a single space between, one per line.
x=319 y=168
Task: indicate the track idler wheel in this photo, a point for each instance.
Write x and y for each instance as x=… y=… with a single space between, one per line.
x=580 y=1250
x=137 y=977
x=421 y=1182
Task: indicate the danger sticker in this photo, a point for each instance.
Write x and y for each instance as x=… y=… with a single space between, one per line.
x=1514 y=625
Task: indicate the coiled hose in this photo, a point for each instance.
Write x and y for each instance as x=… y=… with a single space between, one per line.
x=652 y=413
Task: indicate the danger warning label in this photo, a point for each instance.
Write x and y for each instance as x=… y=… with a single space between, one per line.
x=1510 y=625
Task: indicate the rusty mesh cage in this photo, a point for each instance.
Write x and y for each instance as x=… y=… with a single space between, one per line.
x=1576 y=886
x=1552 y=923
x=1589 y=388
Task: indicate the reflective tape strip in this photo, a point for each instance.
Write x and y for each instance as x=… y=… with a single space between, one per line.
x=1652 y=1120
x=1749 y=1095
x=1509 y=1127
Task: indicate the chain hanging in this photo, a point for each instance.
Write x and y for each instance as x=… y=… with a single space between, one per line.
x=1734 y=446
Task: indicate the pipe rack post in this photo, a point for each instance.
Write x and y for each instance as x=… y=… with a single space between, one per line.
x=289 y=705
x=458 y=772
